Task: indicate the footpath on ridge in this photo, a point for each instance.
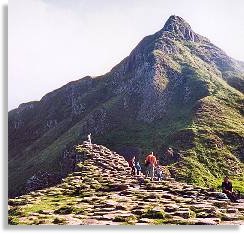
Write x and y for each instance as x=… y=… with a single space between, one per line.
x=103 y=191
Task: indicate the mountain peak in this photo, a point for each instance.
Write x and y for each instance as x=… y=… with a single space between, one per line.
x=173 y=21
x=181 y=29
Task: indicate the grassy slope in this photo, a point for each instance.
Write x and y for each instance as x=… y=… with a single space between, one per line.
x=220 y=112
x=204 y=163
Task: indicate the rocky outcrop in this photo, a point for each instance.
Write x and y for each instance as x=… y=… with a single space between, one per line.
x=102 y=191
x=41 y=179
x=178 y=28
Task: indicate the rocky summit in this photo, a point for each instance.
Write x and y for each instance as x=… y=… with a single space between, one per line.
x=102 y=191
x=175 y=89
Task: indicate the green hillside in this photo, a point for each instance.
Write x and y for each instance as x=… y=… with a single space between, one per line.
x=175 y=89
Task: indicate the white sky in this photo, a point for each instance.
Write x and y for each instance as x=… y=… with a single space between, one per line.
x=52 y=42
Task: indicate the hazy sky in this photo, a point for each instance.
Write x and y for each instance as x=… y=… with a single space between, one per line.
x=52 y=42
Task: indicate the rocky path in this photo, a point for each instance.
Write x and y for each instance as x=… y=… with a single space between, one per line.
x=103 y=192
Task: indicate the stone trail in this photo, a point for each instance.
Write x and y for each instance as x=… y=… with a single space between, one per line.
x=102 y=192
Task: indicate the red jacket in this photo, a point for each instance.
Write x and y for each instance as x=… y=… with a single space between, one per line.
x=151 y=159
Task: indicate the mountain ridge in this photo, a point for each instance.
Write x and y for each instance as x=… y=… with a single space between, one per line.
x=169 y=86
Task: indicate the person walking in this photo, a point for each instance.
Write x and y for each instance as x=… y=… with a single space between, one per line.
x=150 y=164
x=138 y=168
x=132 y=165
x=159 y=172
x=89 y=139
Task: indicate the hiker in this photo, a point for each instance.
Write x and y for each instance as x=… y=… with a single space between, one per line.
x=169 y=156
x=132 y=165
x=138 y=168
x=150 y=164
x=89 y=139
x=159 y=172
x=227 y=189
x=169 y=152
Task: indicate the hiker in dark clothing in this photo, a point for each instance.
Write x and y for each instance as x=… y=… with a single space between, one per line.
x=168 y=156
x=169 y=153
x=132 y=165
x=227 y=189
x=159 y=172
x=138 y=168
